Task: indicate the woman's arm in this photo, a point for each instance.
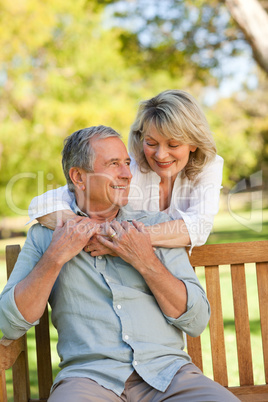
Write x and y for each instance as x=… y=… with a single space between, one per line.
x=50 y=220
x=169 y=234
x=57 y=200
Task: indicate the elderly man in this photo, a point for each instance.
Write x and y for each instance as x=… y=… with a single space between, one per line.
x=119 y=318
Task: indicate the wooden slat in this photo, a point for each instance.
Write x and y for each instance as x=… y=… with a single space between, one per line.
x=242 y=324
x=44 y=367
x=262 y=280
x=21 y=383
x=3 y=391
x=20 y=369
x=12 y=253
x=253 y=397
x=216 y=325
x=231 y=253
x=250 y=390
x=195 y=351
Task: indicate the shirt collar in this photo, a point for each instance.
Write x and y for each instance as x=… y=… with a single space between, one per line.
x=125 y=213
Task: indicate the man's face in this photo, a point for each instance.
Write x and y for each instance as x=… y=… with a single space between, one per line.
x=107 y=187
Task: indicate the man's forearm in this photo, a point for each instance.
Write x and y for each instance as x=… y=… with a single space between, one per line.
x=170 y=292
x=32 y=293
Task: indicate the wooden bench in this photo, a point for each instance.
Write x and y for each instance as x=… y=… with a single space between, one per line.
x=212 y=257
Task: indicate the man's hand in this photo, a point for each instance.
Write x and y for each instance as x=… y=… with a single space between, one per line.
x=130 y=242
x=95 y=247
x=70 y=238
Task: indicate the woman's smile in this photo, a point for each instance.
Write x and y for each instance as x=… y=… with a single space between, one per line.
x=164 y=165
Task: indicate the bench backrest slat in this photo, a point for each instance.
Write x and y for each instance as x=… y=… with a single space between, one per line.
x=195 y=351
x=262 y=281
x=43 y=351
x=216 y=325
x=20 y=369
x=242 y=324
x=230 y=253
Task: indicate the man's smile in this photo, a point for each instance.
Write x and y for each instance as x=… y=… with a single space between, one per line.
x=117 y=187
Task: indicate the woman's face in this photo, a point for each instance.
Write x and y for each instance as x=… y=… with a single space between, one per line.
x=165 y=156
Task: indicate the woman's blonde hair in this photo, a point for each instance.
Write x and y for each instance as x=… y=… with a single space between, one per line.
x=174 y=114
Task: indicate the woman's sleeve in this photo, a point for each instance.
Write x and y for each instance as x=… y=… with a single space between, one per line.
x=51 y=201
x=202 y=204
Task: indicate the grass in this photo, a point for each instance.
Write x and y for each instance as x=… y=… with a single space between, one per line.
x=230 y=228
x=227 y=228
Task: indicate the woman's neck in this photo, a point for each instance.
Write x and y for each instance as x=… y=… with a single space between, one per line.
x=165 y=192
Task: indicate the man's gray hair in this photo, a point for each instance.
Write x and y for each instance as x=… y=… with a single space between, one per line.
x=77 y=151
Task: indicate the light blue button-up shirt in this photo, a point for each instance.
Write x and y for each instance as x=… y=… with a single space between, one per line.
x=107 y=319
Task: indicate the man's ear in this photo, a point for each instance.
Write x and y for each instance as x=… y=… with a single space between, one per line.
x=78 y=177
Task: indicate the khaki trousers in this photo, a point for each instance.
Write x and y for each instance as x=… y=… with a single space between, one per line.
x=188 y=385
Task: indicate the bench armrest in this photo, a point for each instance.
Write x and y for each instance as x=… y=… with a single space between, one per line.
x=10 y=351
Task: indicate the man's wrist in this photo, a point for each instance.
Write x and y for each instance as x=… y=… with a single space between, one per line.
x=53 y=258
x=151 y=265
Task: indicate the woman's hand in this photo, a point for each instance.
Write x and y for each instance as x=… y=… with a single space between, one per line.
x=96 y=248
x=129 y=241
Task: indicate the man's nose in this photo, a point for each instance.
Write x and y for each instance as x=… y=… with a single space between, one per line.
x=125 y=172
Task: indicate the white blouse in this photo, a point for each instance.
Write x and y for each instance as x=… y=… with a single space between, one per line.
x=196 y=201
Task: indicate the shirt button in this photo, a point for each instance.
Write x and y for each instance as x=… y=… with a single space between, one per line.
x=126 y=337
x=119 y=306
x=135 y=363
x=99 y=257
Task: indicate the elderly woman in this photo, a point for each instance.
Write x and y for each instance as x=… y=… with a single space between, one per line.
x=175 y=169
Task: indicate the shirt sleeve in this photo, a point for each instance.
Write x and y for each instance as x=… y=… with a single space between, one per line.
x=12 y=323
x=51 y=201
x=202 y=203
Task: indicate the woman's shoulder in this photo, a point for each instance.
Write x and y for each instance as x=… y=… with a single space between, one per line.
x=216 y=163
x=212 y=171
x=218 y=159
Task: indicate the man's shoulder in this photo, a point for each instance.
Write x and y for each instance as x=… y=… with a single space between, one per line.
x=39 y=235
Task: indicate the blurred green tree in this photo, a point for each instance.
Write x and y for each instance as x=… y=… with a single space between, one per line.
x=193 y=34
x=61 y=70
